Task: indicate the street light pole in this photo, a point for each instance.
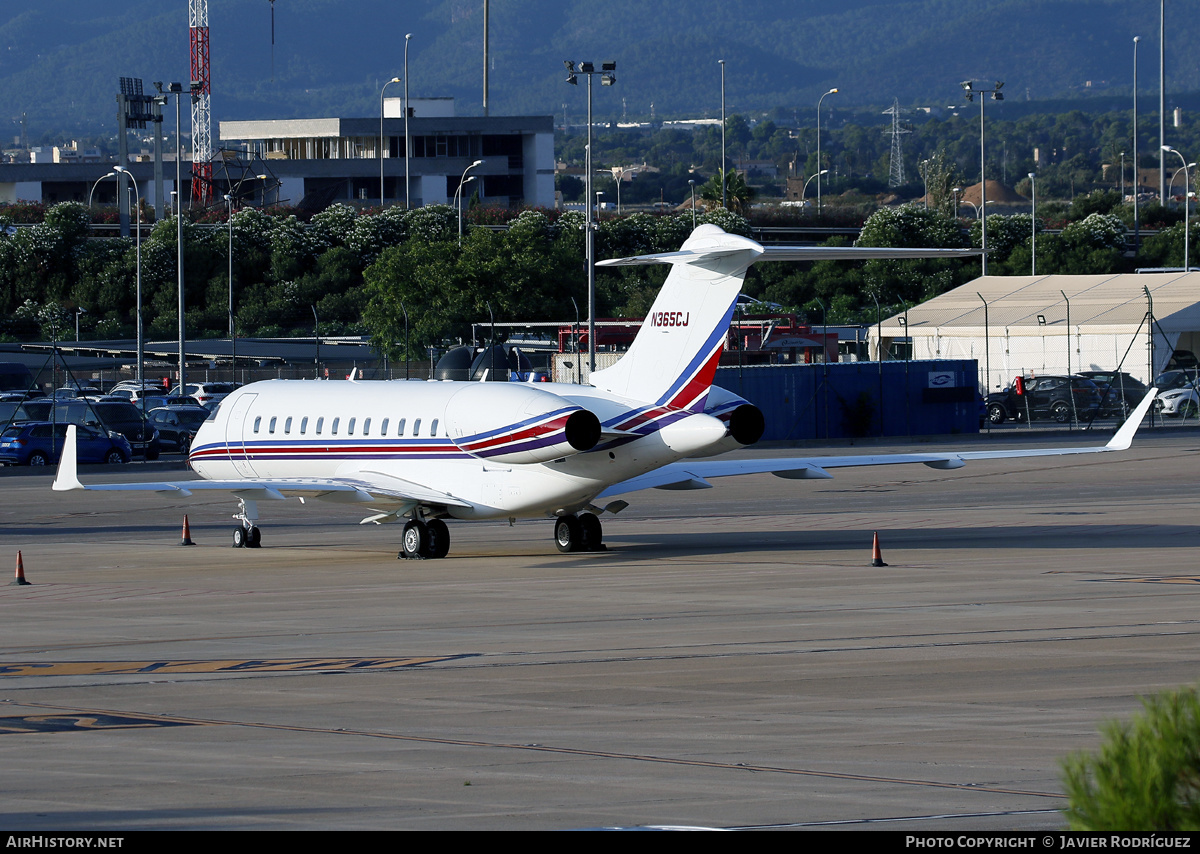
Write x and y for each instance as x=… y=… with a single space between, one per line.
x=1136 y=178
x=382 y=197
x=692 y=186
x=1187 y=181
x=93 y=190
x=816 y=175
x=819 y=172
x=996 y=96
x=232 y=324
x=407 y=143
x=141 y=353
x=177 y=90
x=721 y=62
x=458 y=196
x=1033 y=225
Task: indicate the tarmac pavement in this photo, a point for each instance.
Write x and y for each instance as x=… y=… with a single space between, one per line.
x=732 y=660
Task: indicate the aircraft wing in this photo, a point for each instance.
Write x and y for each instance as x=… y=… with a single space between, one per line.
x=367 y=488
x=695 y=474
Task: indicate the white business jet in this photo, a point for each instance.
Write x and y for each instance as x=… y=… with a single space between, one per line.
x=421 y=452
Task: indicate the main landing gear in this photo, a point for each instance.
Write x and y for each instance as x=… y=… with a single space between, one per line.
x=425 y=540
x=246 y=535
x=582 y=533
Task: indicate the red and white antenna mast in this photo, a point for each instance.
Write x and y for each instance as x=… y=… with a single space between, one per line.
x=202 y=150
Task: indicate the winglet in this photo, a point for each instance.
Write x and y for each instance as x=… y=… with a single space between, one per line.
x=1124 y=437
x=67 y=477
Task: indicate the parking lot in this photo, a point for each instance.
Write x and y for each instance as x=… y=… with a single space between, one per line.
x=732 y=660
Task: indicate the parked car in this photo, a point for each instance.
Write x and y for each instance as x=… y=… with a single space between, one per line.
x=177 y=425
x=206 y=392
x=154 y=401
x=40 y=443
x=111 y=414
x=1120 y=392
x=1057 y=397
x=1180 y=402
x=131 y=391
x=1168 y=380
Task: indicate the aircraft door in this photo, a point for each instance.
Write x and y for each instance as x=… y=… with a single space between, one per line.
x=235 y=435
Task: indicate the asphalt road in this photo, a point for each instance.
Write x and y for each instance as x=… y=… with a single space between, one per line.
x=731 y=661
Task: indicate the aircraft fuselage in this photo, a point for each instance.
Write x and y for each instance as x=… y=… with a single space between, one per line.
x=475 y=441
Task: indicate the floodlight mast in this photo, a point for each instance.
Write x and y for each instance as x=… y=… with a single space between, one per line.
x=607 y=78
x=997 y=95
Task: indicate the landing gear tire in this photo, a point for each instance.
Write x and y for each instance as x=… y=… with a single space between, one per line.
x=567 y=534
x=591 y=533
x=247 y=538
x=415 y=542
x=439 y=538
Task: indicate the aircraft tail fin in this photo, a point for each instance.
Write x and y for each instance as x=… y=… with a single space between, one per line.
x=674 y=357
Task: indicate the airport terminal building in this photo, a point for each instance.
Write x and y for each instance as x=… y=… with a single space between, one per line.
x=340 y=157
x=320 y=161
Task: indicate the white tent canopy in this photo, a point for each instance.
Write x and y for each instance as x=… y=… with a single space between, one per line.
x=1025 y=326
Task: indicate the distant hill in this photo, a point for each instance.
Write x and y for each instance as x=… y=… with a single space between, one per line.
x=60 y=62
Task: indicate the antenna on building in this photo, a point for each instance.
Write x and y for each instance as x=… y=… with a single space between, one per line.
x=272 y=41
x=896 y=172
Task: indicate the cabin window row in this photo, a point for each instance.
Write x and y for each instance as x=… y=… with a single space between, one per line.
x=341 y=427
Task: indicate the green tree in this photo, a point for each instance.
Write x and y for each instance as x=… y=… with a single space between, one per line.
x=1146 y=774
x=912 y=280
x=738 y=194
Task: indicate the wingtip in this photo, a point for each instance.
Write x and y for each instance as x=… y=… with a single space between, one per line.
x=67 y=476
x=1123 y=438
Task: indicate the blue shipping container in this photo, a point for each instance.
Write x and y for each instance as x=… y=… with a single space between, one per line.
x=848 y=400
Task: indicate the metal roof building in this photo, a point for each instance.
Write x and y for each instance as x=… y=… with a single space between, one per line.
x=1053 y=324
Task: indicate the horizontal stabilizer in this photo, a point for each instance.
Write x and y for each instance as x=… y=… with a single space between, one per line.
x=858 y=253
x=790 y=253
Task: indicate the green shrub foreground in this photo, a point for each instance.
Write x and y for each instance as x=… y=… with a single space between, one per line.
x=1146 y=774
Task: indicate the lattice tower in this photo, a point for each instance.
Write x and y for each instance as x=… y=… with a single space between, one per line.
x=896 y=170
x=202 y=148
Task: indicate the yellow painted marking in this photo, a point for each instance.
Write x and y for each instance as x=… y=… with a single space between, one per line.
x=239 y=665
x=27 y=724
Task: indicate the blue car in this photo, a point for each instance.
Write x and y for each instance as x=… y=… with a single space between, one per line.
x=40 y=443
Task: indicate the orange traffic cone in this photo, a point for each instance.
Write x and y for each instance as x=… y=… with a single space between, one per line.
x=20 y=579
x=876 y=554
x=187 y=533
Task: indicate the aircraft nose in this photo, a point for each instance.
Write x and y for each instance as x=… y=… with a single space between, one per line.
x=692 y=434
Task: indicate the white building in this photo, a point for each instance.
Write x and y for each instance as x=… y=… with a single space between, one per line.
x=1025 y=328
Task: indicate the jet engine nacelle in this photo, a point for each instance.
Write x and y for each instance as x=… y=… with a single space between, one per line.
x=746 y=424
x=512 y=423
x=743 y=420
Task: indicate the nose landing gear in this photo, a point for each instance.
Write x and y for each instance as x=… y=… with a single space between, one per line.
x=247 y=534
